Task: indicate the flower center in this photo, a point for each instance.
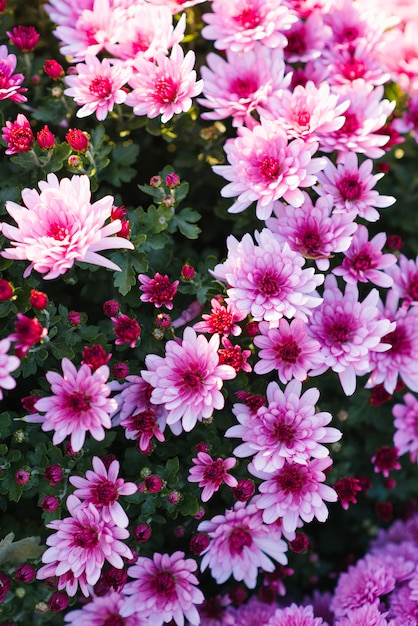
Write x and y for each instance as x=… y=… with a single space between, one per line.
x=214 y=472
x=192 y=379
x=351 y=123
x=291 y=478
x=303 y=118
x=248 y=18
x=164 y=582
x=284 y=433
x=295 y=43
x=270 y=168
x=312 y=242
x=144 y=422
x=398 y=340
x=362 y=262
x=114 y=619
x=413 y=287
x=21 y=139
x=288 y=352
x=221 y=321
x=57 y=232
x=244 y=87
x=101 y=87
x=238 y=540
x=86 y=538
x=78 y=402
x=353 y=69
x=105 y=493
x=350 y=188
x=268 y=283
x=165 y=90
x=339 y=332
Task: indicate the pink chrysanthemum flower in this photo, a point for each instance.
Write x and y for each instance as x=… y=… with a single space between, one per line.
x=241 y=83
x=408 y=122
x=306 y=38
x=342 y=66
x=222 y=319
x=295 y=615
x=82 y=543
x=241 y=545
x=211 y=474
x=287 y=349
x=406 y=426
x=27 y=332
x=266 y=278
x=79 y=404
x=164 y=590
x=366 y=615
x=143 y=426
x=402 y=607
x=97 y=86
x=264 y=167
x=400 y=358
x=158 y=290
x=61 y=12
x=363 y=583
x=8 y=363
x=349 y=332
x=405 y=280
x=10 y=84
x=188 y=380
x=18 y=135
x=176 y=5
x=288 y=428
x=351 y=187
x=308 y=112
x=238 y=24
x=102 y=488
x=165 y=87
x=398 y=53
x=295 y=492
x=364 y=261
x=315 y=231
x=103 y=610
x=60 y=226
x=252 y=613
x=234 y=355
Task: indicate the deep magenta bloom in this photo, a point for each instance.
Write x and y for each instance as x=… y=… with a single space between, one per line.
x=211 y=473
x=164 y=589
x=386 y=460
x=126 y=329
x=79 y=404
x=102 y=487
x=27 y=332
x=222 y=319
x=18 y=135
x=158 y=290
x=143 y=426
x=346 y=489
x=10 y=84
x=24 y=37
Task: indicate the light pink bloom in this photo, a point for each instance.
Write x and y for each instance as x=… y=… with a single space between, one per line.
x=403 y=607
x=295 y=615
x=287 y=349
x=308 y=112
x=97 y=86
x=82 y=543
x=62 y=12
x=366 y=615
x=102 y=488
x=165 y=87
x=306 y=38
x=349 y=332
x=295 y=492
x=304 y=8
x=103 y=610
x=364 y=260
x=79 y=404
x=405 y=280
x=400 y=358
x=8 y=363
x=287 y=429
x=341 y=66
x=351 y=187
x=266 y=279
x=264 y=167
x=222 y=319
x=399 y=55
x=10 y=84
x=60 y=226
x=158 y=290
x=315 y=231
x=164 y=590
x=241 y=83
x=238 y=24
x=188 y=380
x=241 y=545
x=211 y=473
x=176 y=5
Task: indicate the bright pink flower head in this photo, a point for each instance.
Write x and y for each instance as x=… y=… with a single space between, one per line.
x=102 y=488
x=103 y=610
x=95 y=356
x=176 y=5
x=53 y=69
x=386 y=460
x=405 y=280
x=211 y=474
x=306 y=38
x=165 y=87
x=287 y=429
x=234 y=355
x=399 y=54
x=79 y=404
x=158 y=290
x=10 y=84
x=164 y=589
x=346 y=489
x=222 y=319
x=81 y=545
x=60 y=225
x=143 y=426
x=295 y=615
x=126 y=329
x=188 y=380
x=24 y=37
x=27 y=332
x=263 y=167
x=267 y=280
x=8 y=364
x=97 y=86
x=236 y=25
x=241 y=545
x=406 y=426
x=366 y=615
x=18 y=135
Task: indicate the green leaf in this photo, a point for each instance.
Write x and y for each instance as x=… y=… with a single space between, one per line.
x=60 y=155
x=120 y=170
x=125 y=280
x=5 y=421
x=189 y=505
x=185 y=222
x=171 y=470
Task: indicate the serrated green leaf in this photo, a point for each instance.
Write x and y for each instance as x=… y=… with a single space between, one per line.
x=189 y=505
x=120 y=170
x=5 y=422
x=185 y=222
x=171 y=470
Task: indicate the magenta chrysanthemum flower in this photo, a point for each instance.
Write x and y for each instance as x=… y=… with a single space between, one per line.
x=18 y=135
x=351 y=187
x=80 y=404
x=405 y=280
x=264 y=167
x=406 y=425
x=266 y=278
x=211 y=473
x=366 y=615
x=287 y=349
x=158 y=290
x=97 y=86
x=8 y=363
x=60 y=226
x=188 y=380
x=164 y=590
x=315 y=231
x=10 y=84
x=82 y=543
x=241 y=545
x=103 y=610
x=294 y=615
x=236 y=25
x=349 y=332
x=287 y=429
x=364 y=261
x=102 y=488
x=222 y=319
x=165 y=87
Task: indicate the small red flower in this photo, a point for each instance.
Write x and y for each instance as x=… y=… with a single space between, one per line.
x=199 y=542
x=54 y=474
x=153 y=483
x=385 y=460
x=142 y=532
x=53 y=69
x=126 y=329
x=18 y=135
x=111 y=308
x=24 y=37
x=38 y=300
x=50 y=503
x=27 y=332
x=95 y=356
x=187 y=272
x=346 y=489
x=74 y=318
x=78 y=139
x=46 y=138
x=244 y=490
x=120 y=370
x=6 y=290
x=158 y=290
